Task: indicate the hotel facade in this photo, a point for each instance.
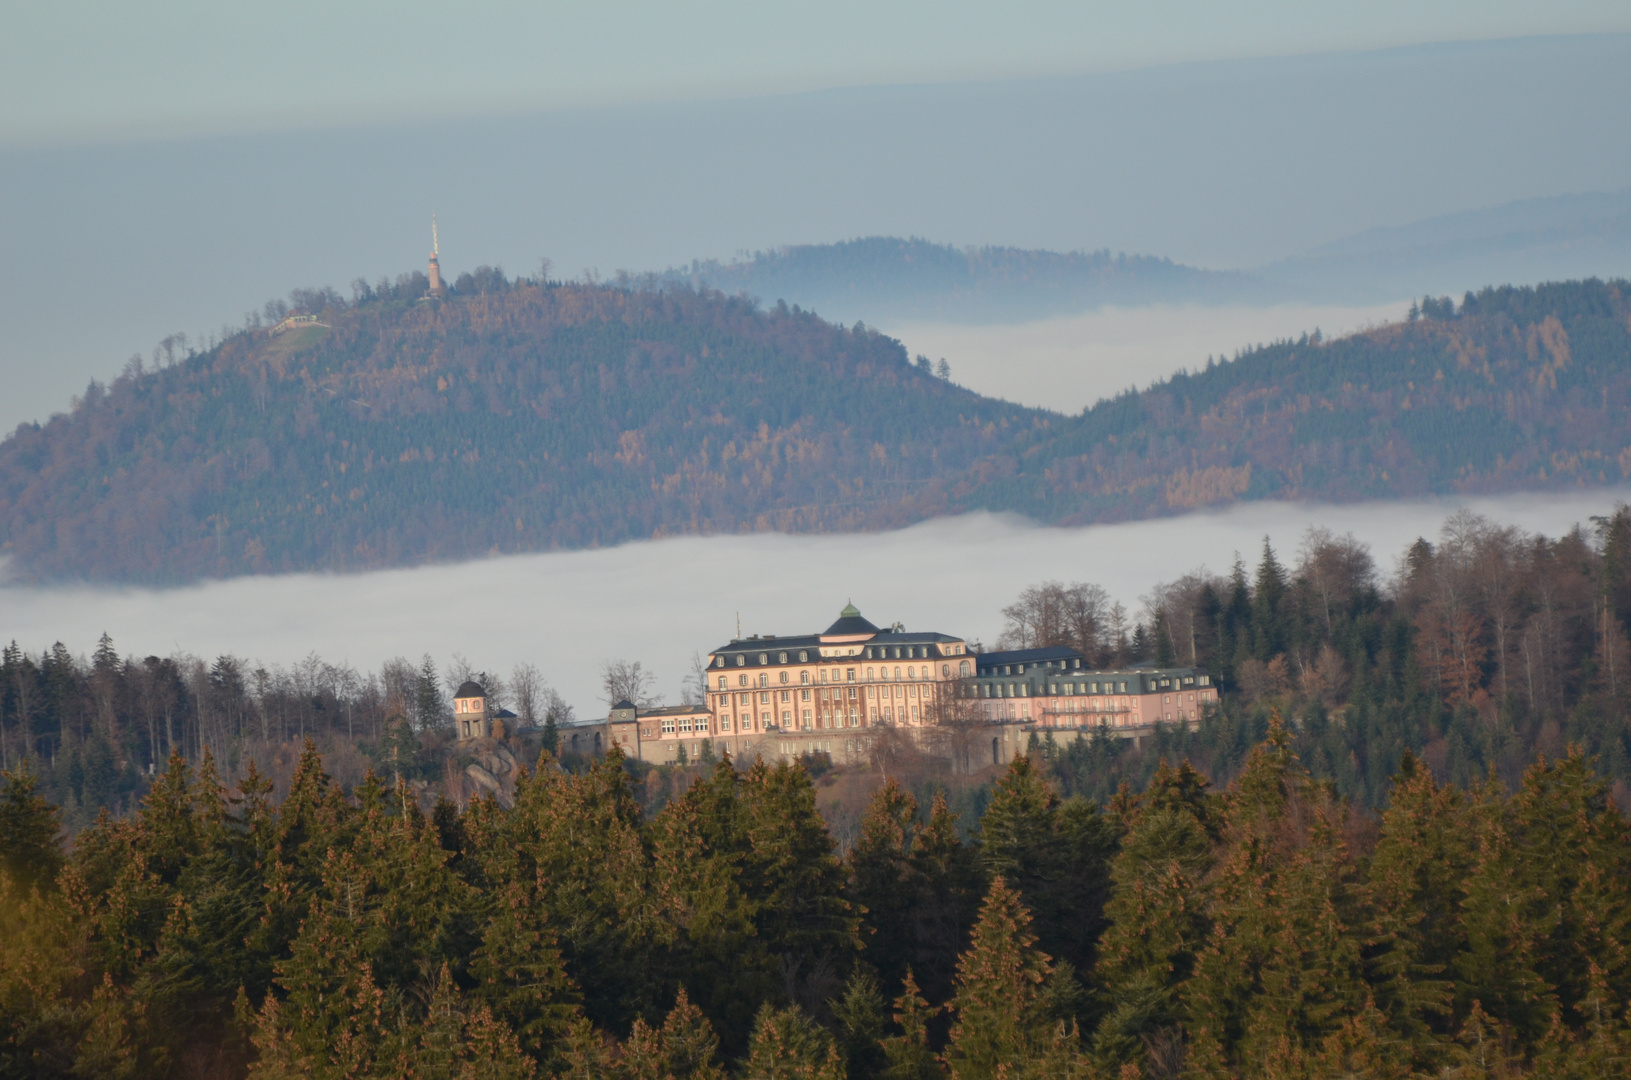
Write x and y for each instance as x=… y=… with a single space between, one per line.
x=831 y=692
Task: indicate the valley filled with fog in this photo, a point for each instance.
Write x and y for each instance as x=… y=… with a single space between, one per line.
x=659 y=602
x=1069 y=362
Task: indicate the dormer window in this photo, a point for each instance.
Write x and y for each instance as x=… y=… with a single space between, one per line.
x=740 y=659
x=781 y=658
x=804 y=656
x=764 y=658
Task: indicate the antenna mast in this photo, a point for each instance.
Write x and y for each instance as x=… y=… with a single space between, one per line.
x=434 y=249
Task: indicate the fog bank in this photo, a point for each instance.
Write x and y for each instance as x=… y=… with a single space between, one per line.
x=1070 y=362
x=660 y=601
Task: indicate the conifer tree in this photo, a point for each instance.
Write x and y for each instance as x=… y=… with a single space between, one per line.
x=948 y=889
x=788 y=1045
x=881 y=880
x=1415 y=883
x=1055 y=856
x=793 y=874
x=30 y=853
x=700 y=845
x=1000 y=1015
x=859 y=1014
x=1281 y=968
x=909 y=1055
x=581 y=843
x=521 y=977
x=1156 y=915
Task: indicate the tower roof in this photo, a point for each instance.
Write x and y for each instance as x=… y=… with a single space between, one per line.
x=470 y=688
x=850 y=624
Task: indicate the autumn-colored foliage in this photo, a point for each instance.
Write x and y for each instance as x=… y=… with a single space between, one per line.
x=519 y=416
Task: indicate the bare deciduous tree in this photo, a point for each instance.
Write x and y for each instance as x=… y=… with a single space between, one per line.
x=626 y=680
x=526 y=687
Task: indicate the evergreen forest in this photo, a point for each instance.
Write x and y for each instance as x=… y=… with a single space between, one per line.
x=515 y=415
x=1399 y=849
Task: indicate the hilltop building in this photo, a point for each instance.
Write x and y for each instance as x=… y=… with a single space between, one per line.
x=475 y=716
x=1054 y=688
x=470 y=719
x=831 y=692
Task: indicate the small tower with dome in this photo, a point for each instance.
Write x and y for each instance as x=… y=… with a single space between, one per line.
x=471 y=717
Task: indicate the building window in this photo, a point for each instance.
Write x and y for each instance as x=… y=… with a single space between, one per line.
x=722 y=682
x=764 y=698
x=685 y=723
x=804 y=678
x=850 y=673
x=668 y=726
x=962 y=670
x=787 y=695
x=764 y=658
x=784 y=676
x=764 y=678
x=740 y=659
x=804 y=695
x=804 y=656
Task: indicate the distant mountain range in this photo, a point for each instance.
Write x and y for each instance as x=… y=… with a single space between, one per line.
x=889 y=280
x=515 y=416
x=886 y=278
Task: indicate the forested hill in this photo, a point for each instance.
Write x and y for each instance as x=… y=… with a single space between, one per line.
x=878 y=276
x=513 y=416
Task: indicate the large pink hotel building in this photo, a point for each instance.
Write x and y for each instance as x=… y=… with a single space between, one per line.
x=784 y=696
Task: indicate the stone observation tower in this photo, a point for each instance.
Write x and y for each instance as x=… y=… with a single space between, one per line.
x=436 y=286
x=470 y=716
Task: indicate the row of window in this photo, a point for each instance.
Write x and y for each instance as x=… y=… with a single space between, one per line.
x=1068 y=689
x=873 y=674
x=873 y=652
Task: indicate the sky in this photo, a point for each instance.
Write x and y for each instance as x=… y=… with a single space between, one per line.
x=99 y=69
x=661 y=602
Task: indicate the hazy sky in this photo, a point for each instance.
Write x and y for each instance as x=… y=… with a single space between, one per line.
x=570 y=612
x=82 y=69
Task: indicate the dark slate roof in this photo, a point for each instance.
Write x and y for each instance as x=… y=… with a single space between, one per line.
x=850 y=621
x=674 y=710
x=470 y=688
x=624 y=704
x=1028 y=656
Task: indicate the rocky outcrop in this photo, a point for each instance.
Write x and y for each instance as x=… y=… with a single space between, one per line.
x=491 y=771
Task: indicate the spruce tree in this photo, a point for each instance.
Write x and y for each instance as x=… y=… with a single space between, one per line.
x=788 y=1045
x=880 y=882
x=909 y=1054
x=1001 y=1020
x=1157 y=917
x=30 y=851
x=948 y=887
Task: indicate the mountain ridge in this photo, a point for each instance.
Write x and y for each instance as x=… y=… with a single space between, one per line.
x=518 y=416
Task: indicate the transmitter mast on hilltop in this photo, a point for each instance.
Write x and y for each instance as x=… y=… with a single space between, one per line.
x=437 y=289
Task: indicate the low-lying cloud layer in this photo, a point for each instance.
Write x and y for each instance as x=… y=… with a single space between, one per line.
x=1070 y=362
x=659 y=602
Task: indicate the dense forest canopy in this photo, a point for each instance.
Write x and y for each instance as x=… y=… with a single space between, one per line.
x=523 y=416
x=1269 y=929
